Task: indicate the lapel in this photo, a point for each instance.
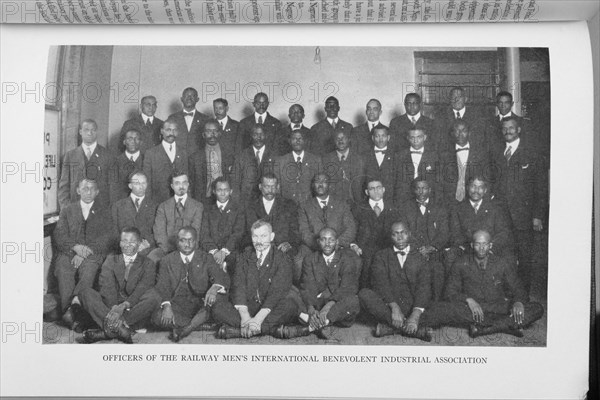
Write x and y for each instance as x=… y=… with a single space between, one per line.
x=119 y=269
x=227 y=127
x=189 y=209
x=163 y=153
x=318 y=211
x=77 y=214
x=93 y=212
x=265 y=268
x=196 y=121
x=134 y=271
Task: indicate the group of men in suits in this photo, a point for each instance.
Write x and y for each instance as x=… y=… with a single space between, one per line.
x=324 y=203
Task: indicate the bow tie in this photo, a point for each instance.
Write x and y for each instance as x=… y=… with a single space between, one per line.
x=463 y=149
x=188 y=114
x=380 y=151
x=416 y=152
x=422 y=204
x=402 y=253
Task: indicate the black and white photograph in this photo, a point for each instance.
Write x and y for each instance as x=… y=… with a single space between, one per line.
x=302 y=195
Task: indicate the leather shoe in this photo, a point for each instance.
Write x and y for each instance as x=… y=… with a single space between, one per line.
x=291 y=331
x=228 y=332
x=176 y=335
x=124 y=333
x=325 y=333
x=69 y=316
x=383 y=330
x=94 y=335
x=476 y=331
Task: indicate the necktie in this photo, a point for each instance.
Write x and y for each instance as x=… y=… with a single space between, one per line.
x=258 y=157
x=476 y=207
x=333 y=124
x=413 y=120
x=187 y=260
x=372 y=127
x=297 y=126
x=323 y=204
x=170 y=147
x=188 y=114
x=328 y=262
x=380 y=151
x=458 y=115
x=416 y=152
x=148 y=123
x=462 y=169
x=179 y=206
x=132 y=160
x=137 y=204
x=221 y=209
x=400 y=255
x=299 y=163
x=221 y=122
x=186 y=264
x=88 y=153
x=324 y=208
x=377 y=209
x=343 y=158
x=260 y=120
x=259 y=260
x=508 y=154
x=127 y=267
x=500 y=118
x=463 y=149
x=423 y=208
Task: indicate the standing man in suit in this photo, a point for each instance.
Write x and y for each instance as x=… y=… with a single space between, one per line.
x=270 y=124
x=262 y=280
x=420 y=159
x=296 y=170
x=162 y=160
x=323 y=135
x=346 y=170
x=188 y=286
x=211 y=162
x=146 y=123
x=504 y=105
x=460 y=164
x=250 y=165
x=361 y=134
x=381 y=162
x=374 y=219
x=83 y=238
x=413 y=117
x=138 y=211
x=478 y=212
x=190 y=122
x=278 y=211
x=124 y=301
x=173 y=214
x=230 y=136
x=87 y=161
x=430 y=230
x=329 y=288
x=128 y=162
x=522 y=187
x=323 y=211
x=296 y=115
x=484 y=294
x=401 y=287
x=458 y=110
x=224 y=226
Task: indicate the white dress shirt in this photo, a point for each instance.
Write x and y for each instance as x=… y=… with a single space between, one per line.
x=170 y=149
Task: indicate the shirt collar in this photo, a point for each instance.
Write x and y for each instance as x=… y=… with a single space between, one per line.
x=166 y=145
x=458 y=147
x=92 y=147
x=461 y=112
x=215 y=147
x=130 y=258
x=292 y=125
x=85 y=206
x=264 y=254
x=329 y=258
x=265 y=201
x=514 y=145
x=189 y=256
x=475 y=203
x=224 y=205
x=374 y=123
x=134 y=155
x=425 y=203
x=336 y=120
x=260 y=151
x=406 y=249
x=345 y=154
x=508 y=114
x=421 y=150
x=193 y=112
x=146 y=118
x=183 y=198
x=133 y=197
x=320 y=200
x=416 y=116
x=301 y=155
x=383 y=149
x=224 y=121
x=264 y=116
x=373 y=202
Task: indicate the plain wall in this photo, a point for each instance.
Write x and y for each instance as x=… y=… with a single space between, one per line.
x=287 y=74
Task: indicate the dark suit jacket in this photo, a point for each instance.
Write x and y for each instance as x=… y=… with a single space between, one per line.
x=150 y=134
x=496 y=288
x=198 y=169
x=245 y=174
x=322 y=140
x=400 y=125
x=283 y=218
x=494 y=131
x=223 y=229
x=432 y=228
x=114 y=289
x=119 y=175
x=158 y=168
x=490 y=217
x=361 y=141
x=374 y=232
x=478 y=163
x=334 y=282
x=346 y=178
x=267 y=286
x=337 y=215
x=295 y=183
x=203 y=273
x=96 y=232
x=231 y=139
x=124 y=215
x=166 y=223
x=282 y=142
x=429 y=167
x=522 y=184
x=191 y=140
x=477 y=127
x=387 y=173
x=272 y=128
x=75 y=167
x=409 y=286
